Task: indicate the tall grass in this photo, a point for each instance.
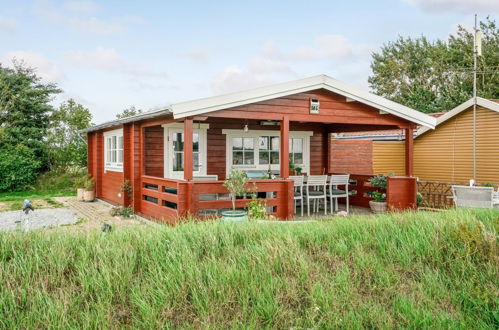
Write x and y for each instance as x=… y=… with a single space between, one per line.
x=402 y=270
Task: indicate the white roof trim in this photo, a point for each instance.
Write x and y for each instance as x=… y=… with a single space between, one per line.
x=491 y=105
x=201 y=106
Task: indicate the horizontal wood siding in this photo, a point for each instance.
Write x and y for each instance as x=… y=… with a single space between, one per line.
x=389 y=157
x=446 y=154
x=154 y=151
x=351 y=156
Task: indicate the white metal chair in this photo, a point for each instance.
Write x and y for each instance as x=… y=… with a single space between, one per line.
x=466 y=196
x=298 y=190
x=334 y=192
x=318 y=192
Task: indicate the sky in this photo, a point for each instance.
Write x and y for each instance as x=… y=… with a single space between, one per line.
x=110 y=55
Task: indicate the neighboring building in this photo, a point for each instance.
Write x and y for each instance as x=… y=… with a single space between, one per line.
x=174 y=157
x=443 y=155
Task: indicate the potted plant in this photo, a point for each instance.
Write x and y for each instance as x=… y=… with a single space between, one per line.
x=236 y=185
x=378 y=204
x=89 y=193
x=292 y=168
x=79 y=184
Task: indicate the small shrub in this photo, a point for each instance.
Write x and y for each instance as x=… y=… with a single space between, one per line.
x=120 y=211
x=378 y=196
x=257 y=208
x=419 y=199
x=480 y=244
x=236 y=185
x=18 y=167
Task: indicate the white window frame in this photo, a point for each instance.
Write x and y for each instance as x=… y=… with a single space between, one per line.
x=115 y=165
x=232 y=133
x=201 y=130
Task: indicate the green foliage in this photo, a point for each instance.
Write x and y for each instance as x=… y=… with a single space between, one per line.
x=25 y=110
x=257 y=208
x=125 y=212
x=419 y=199
x=18 y=167
x=378 y=196
x=379 y=181
x=236 y=185
x=129 y=112
x=434 y=76
x=488 y=185
x=400 y=270
x=84 y=182
x=67 y=147
x=127 y=189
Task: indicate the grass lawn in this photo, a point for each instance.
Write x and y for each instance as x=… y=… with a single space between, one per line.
x=416 y=270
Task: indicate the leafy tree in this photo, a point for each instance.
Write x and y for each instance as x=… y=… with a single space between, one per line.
x=25 y=109
x=128 y=112
x=67 y=147
x=433 y=76
x=18 y=167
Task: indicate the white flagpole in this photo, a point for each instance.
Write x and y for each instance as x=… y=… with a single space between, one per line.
x=474 y=98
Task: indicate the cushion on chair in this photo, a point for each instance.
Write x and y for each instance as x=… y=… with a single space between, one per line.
x=338 y=192
x=316 y=193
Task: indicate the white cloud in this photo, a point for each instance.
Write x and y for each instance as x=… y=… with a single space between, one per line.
x=198 y=55
x=45 y=68
x=79 y=16
x=108 y=59
x=234 y=79
x=464 y=6
x=7 y=24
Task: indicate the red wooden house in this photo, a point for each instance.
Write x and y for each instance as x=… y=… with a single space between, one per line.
x=176 y=156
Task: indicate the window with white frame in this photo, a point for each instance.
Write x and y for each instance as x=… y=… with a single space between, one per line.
x=113 y=150
x=243 y=150
x=260 y=150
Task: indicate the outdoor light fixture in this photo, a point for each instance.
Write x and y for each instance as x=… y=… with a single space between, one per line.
x=246 y=129
x=270 y=123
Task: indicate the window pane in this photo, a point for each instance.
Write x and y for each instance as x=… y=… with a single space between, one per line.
x=298 y=158
x=195 y=161
x=195 y=142
x=178 y=141
x=120 y=156
x=114 y=142
x=237 y=158
x=297 y=145
x=113 y=155
x=274 y=157
x=263 y=142
x=178 y=161
x=237 y=143
x=120 y=142
x=275 y=143
x=249 y=157
x=248 y=144
x=264 y=157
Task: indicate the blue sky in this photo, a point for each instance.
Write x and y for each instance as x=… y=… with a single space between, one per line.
x=109 y=55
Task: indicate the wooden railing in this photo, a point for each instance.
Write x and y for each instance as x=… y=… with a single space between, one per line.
x=167 y=199
x=437 y=194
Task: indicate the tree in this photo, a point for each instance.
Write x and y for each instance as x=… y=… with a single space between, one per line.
x=25 y=109
x=129 y=112
x=67 y=146
x=434 y=76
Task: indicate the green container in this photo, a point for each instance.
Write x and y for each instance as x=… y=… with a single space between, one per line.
x=234 y=216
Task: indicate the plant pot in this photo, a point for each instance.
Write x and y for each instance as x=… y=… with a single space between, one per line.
x=234 y=216
x=79 y=194
x=89 y=195
x=377 y=207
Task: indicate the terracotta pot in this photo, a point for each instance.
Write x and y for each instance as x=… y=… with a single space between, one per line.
x=79 y=194
x=377 y=207
x=89 y=196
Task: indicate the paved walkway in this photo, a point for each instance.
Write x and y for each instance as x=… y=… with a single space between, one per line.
x=40 y=218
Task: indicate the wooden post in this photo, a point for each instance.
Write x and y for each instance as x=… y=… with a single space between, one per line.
x=409 y=152
x=136 y=163
x=188 y=137
x=284 y=173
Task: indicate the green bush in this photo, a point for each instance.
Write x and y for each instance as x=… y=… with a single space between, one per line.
x=18 y=167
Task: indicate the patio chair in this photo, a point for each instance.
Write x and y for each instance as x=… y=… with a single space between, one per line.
x=466 y=196
x=318 y=192
x=298 y=190
x=334 y=192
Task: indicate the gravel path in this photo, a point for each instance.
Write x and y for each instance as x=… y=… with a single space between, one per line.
x=37 y=219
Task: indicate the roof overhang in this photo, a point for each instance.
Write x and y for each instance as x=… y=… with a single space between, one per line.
x=210 y=104
x=141 y=116
x=491 y=105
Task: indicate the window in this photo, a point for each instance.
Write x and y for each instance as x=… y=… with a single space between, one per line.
x=243 y=151
x=268 y=150
x=296 y=151
x=113 y=150
x=178 y=151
